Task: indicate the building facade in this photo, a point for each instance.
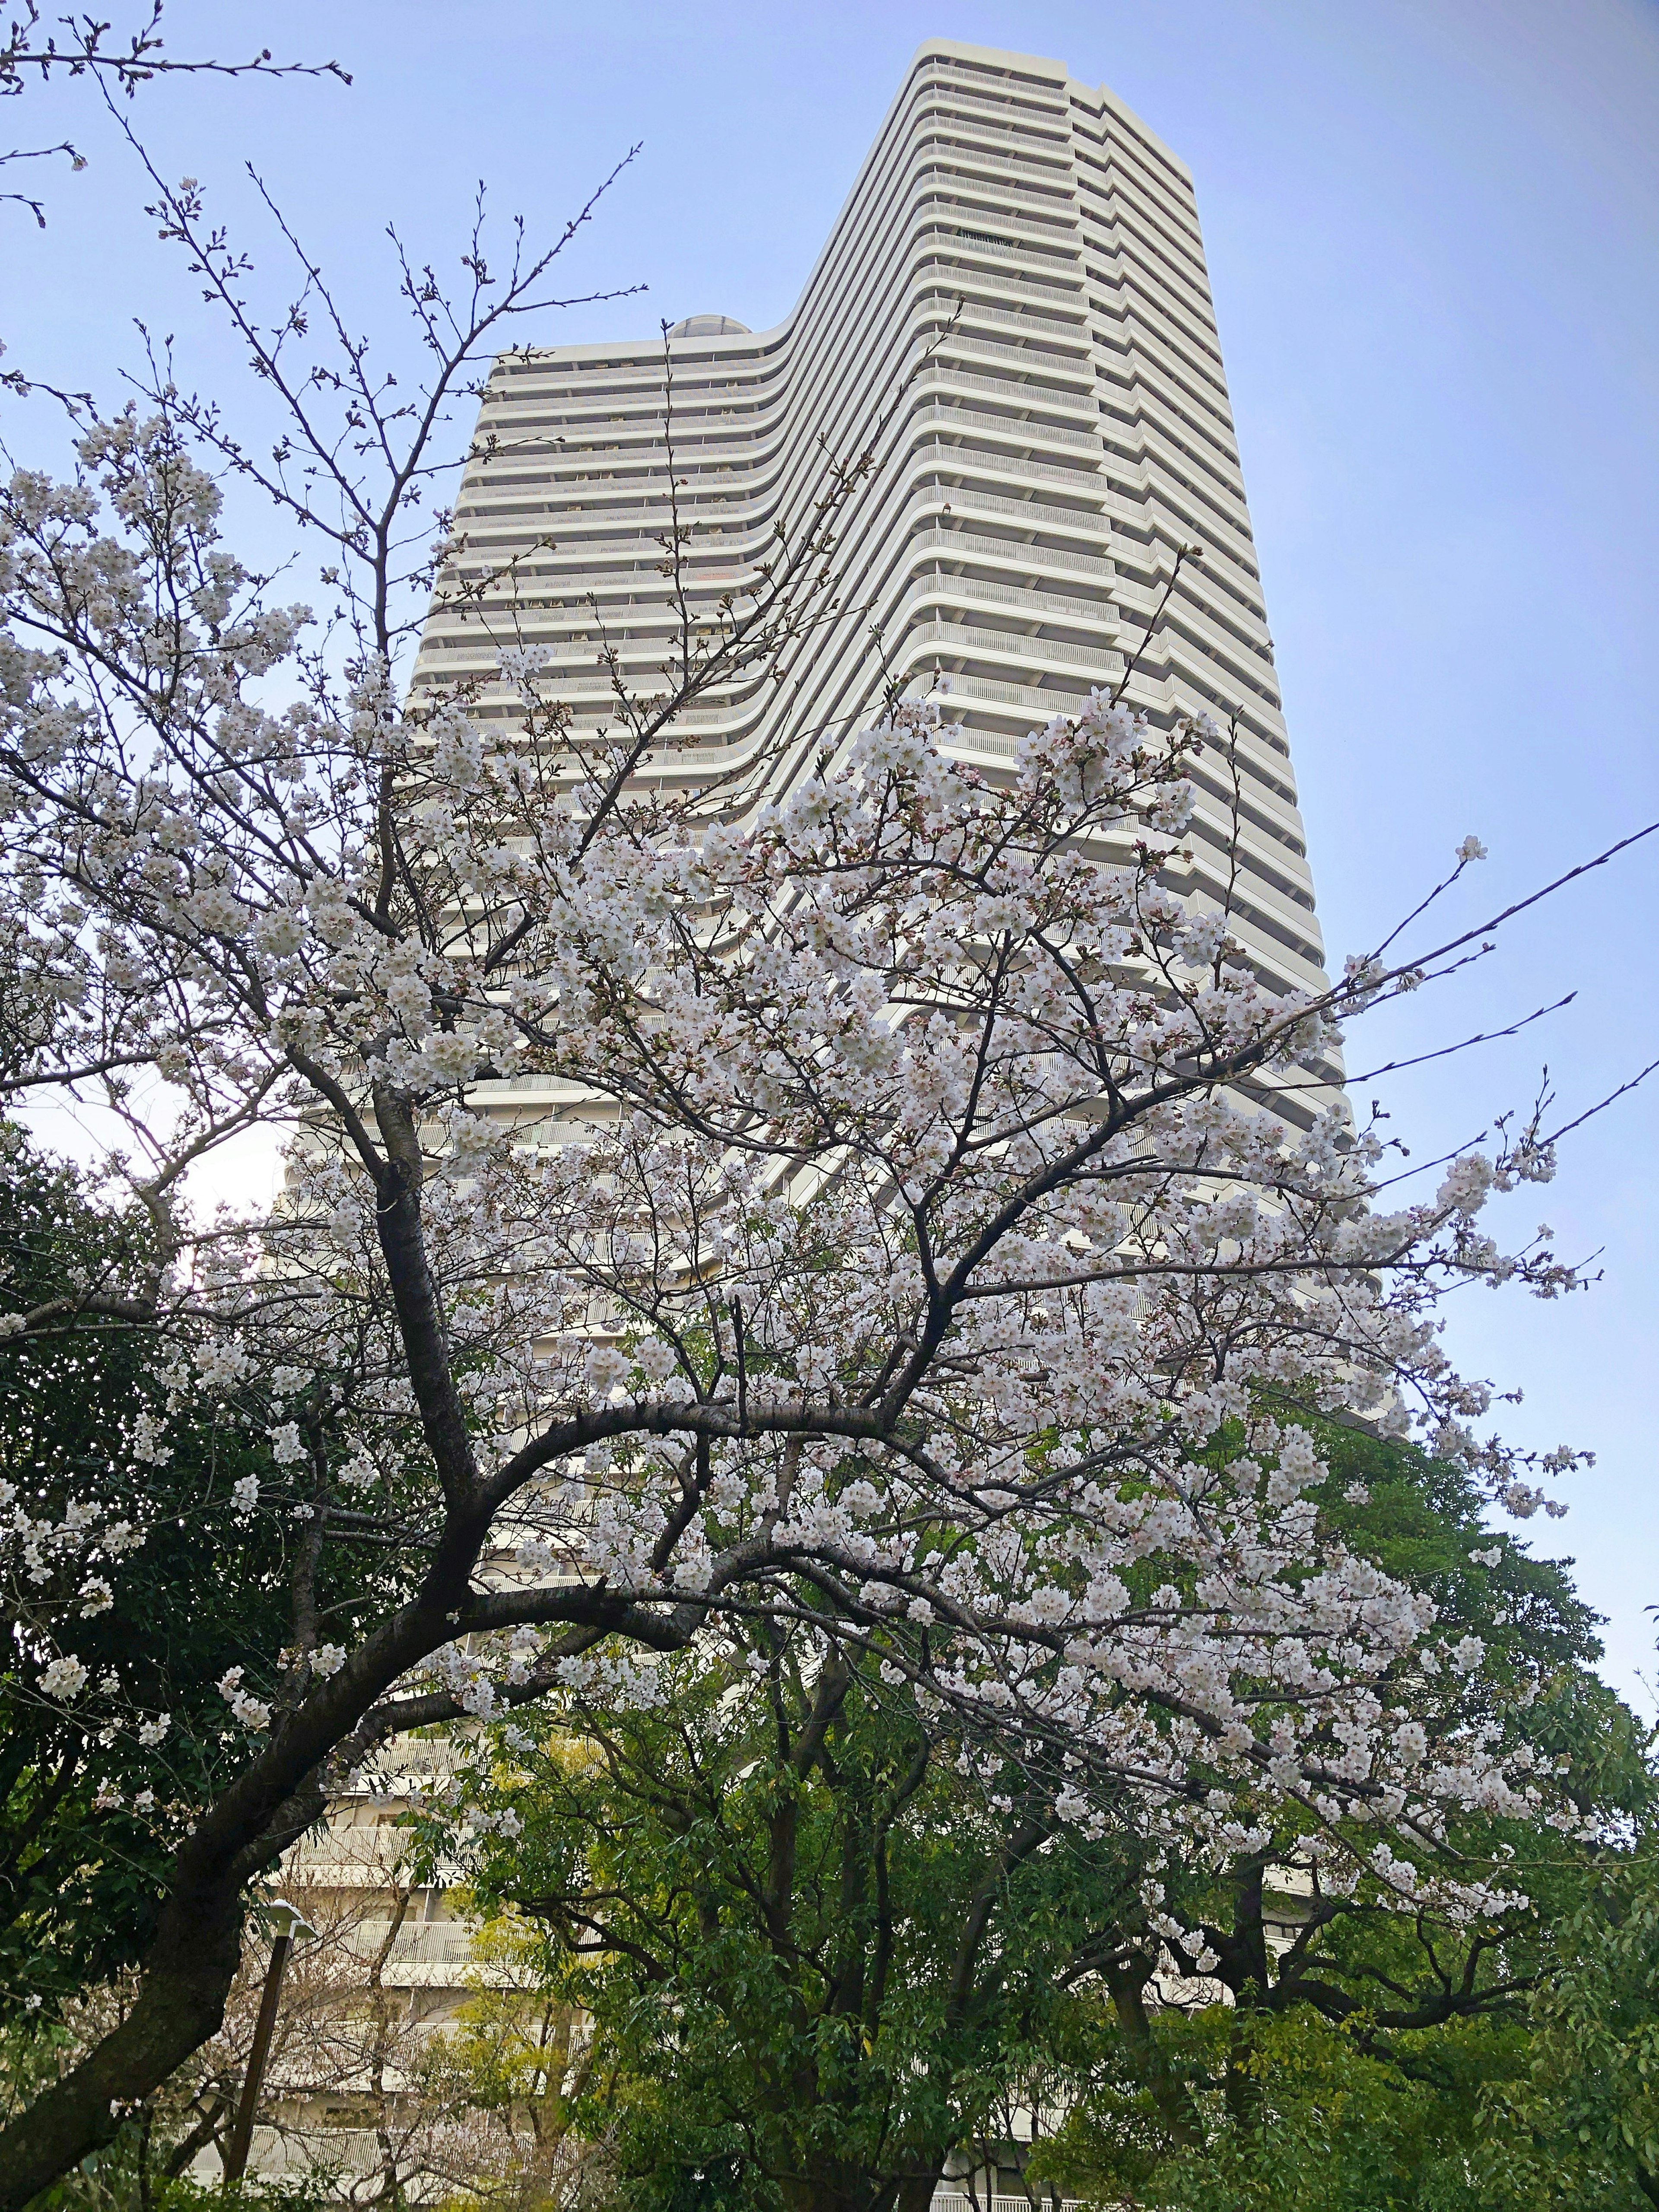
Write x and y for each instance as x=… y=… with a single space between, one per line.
x=1010 y=326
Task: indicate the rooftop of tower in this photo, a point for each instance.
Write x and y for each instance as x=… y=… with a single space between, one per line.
x=709 y=327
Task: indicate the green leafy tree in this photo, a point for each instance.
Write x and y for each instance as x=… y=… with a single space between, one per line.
x=100 y=1464
x=84 y=1797
x=503 y=2087
x=824 y=1943
x=1580 y=2123
x=1305 y=2044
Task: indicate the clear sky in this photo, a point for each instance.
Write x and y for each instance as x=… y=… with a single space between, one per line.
x=1431 y=227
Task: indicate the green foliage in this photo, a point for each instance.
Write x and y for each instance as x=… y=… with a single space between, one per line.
x=1391 y=2060
x=88 y=1815
x=1292 y=2113
x=1552 y=2107
x=817 y=1956
x=515 y=2069
x=1580 y=2123
x=1420 y=1520
x=113 y=2182
x=79 y=1881
x=760 y=1880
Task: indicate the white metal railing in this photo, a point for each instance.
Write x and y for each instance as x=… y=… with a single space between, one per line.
x=1022 y=289
x=1017 y=429
x=947 y=2200
x=1008 y=595
x=956 y=188
x=992 y=119
x=1029 y=510
x=1026 y=109
x=1020 y=694
x=948 y=373
x=1027 y=356
x=997 y=134
x=1064 y=330
x=357 y=2150
x=1025 y=287
x=1088 y=484
x=1013 y=552
x=947 y=202
x=1001 y=642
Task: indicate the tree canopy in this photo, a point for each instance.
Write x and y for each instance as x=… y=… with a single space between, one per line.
x=831 y=1951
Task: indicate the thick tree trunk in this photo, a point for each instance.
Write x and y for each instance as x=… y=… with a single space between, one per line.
x=838 y=2186
x=915 y=2190
x=1128 y=1983
x=181 y=2002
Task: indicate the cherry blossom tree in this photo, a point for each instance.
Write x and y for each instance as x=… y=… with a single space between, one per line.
x=928 y=1180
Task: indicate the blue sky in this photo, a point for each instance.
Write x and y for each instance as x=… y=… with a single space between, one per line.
x=1431 y=227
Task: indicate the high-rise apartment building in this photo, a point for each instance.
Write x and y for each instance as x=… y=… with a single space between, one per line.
x=1012 y=317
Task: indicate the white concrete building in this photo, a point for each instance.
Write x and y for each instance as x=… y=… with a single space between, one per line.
x=1012 y=315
